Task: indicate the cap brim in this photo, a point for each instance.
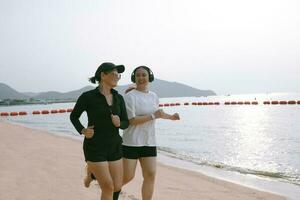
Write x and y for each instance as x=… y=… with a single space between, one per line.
x=120 y=68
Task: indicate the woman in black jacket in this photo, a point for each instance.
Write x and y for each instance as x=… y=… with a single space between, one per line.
x=106 y=113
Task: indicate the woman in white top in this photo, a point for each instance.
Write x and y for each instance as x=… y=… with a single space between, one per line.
x=139 y=138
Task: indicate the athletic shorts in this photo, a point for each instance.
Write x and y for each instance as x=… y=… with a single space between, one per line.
x=103 y=152
x=138 y=152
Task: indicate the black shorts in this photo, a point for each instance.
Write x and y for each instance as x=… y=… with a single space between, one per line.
x=103 y=152
x=138 y=152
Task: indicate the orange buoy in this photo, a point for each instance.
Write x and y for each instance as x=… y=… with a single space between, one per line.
x=205 y=103
x=69 y=109
x=166 y=104
x=22 y=113
x=54 y=111
x=177 y=104
x=282 y=102
x=266 y=102
x=199 y=103
x=186 y=104
x=274 y=102
x=210 y=103
x=62 y=111
x=14 y=114
x=216 y=103
x=45 y=112
x=4 y=114
x=160 y=105
x=254 y=103
x=240 y=103
x=247 y=103
x=233 y=103
x=36 y=112
x=227 y=103
x=292 y=102
x=194 y=103
x=298 y=102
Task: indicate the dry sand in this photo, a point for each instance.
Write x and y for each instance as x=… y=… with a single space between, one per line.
x=36 y=165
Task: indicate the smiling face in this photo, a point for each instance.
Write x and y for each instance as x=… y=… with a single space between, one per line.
x=141 y=77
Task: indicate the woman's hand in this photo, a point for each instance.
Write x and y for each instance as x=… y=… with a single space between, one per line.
x=88 y=132
x=132 y=87
x=116 y=120
x=175 y=116
x=159 y=113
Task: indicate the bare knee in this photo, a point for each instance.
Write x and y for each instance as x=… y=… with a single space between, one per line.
x=118 y=186
x=149 y=176
x=107 y=187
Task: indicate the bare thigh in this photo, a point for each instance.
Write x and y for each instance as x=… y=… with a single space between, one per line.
x=101 y=172
x=148 y=165
x=129 y=167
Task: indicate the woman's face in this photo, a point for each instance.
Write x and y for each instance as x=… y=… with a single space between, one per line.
x=141 y=76
x=111 y=78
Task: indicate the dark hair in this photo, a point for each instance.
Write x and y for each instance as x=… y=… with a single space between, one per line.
x=150 y=73
x=93 y=79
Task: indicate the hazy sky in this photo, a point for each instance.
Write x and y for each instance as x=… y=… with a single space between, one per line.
x=229 y=46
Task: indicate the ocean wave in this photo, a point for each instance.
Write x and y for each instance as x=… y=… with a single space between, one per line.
x=293 y=178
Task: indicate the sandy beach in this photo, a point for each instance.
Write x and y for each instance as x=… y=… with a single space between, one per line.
x=36 y=165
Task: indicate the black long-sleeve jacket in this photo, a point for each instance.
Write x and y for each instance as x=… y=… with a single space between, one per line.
x=99 y=115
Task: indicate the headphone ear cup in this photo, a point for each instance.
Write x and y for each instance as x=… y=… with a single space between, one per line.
x=151 y=75
x=151 y=78
x=133 y=77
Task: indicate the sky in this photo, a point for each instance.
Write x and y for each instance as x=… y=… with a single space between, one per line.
x=228 y=46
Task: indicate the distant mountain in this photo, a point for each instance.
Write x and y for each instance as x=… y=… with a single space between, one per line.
x=160 y=87
x=60 y=95
x=173 y=89
x=7 y=92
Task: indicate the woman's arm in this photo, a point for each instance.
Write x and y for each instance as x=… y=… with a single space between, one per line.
x=175 y=116
x=124 y=122
x=145 y=118
x=156 y=115
x=79 y=108
x=141 y=119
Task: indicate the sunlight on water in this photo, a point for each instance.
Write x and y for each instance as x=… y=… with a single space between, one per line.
x=250 y=139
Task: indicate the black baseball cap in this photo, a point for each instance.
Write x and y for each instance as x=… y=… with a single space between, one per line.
x=106 y=67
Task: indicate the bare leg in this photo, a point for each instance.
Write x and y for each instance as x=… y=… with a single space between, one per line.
x=129 y=166
x=116 y=172
x=88 y=179
x=148 y=165
x=101 y=172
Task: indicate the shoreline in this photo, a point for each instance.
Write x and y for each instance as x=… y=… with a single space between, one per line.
x=288 y=190
x=38 y=165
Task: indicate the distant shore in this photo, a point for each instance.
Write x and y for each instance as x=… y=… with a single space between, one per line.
x=38 y=165
x=44 y=102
